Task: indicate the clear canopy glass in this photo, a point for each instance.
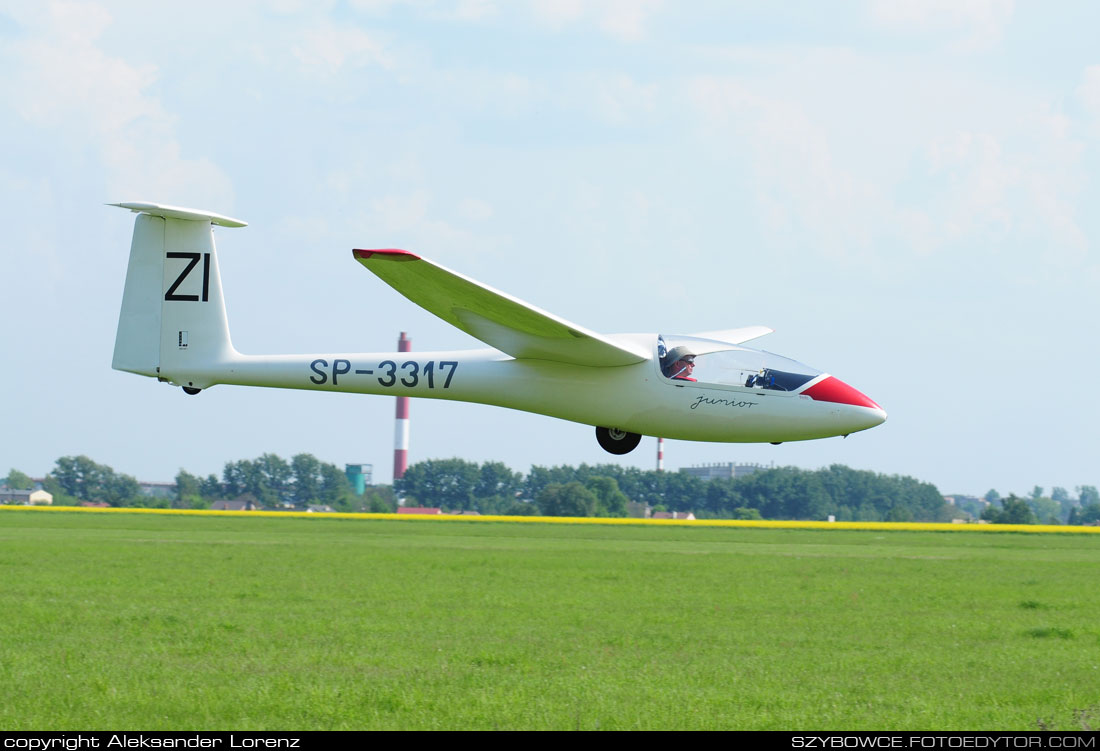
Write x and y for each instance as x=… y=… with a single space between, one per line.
x=707 y=361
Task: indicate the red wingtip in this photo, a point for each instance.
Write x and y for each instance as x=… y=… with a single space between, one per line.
x=393 y=254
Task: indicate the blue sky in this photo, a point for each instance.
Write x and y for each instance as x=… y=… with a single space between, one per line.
x=905 y=191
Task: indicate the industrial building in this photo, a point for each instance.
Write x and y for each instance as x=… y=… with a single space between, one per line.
x=725 y=471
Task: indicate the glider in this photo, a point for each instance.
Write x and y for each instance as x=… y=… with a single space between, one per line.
x=703 y=387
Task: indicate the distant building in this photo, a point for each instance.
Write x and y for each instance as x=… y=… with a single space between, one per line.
x=636 y=510
x=158 y=489
x=967 y=504
x=419 y=510
x=246 y=502
x=322 y=509
x=674 y=515
x=25 y=497
x=963 y=500
x=724 y=471
x=360 y=476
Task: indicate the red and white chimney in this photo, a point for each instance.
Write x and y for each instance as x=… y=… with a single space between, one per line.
x=401 y=428
x=660 y=454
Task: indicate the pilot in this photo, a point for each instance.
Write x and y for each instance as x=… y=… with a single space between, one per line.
x=680 y=364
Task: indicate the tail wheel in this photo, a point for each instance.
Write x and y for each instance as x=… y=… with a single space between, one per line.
x=615 y=441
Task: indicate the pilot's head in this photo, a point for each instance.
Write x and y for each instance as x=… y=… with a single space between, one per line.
x=681 y=362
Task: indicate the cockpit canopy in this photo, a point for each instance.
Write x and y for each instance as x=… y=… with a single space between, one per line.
x=708 y=361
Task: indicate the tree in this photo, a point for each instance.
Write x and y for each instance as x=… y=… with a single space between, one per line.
x=721 y=499
x=267 y=478
x=610 y=501
x=306 y=471
x=377 y=502
x=899 y=513
x=539 y=478
x=523 y=508
x=1089 y=514
x=571 y=499
x=237 y=478
x=78 y=477
x=1087 y=495
x=496 y=479
x=991 y=496
x=446 y=483
x=211 y=487
x=274 y=476
x=188 y=489
x=1046 y=510
x=336 y=490
x=789 y=493
x=677 y=491
x=16 y=480
x=1013 y=510
x=123 y=490
x=1016 y=511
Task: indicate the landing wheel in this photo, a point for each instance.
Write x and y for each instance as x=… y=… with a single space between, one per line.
x=615 y=441
x=190 y=390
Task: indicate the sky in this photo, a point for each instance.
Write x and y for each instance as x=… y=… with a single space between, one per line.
x=905 y=191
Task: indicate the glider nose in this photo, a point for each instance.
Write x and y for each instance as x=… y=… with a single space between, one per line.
x=866 y=413
x=877 y=416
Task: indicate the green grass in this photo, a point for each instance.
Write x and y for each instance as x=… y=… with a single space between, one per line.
x=175 y=622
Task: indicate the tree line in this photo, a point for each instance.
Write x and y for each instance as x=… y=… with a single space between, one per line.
x=586 y=490
x=269 y=480
x=1039 y=508
x=607 y=489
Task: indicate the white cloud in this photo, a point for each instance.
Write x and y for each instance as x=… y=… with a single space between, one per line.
x=63 y=82
x=401 y=212
x=1029 y=192
x=979 y=180
x=475 y=210
x=473 y=10
x=329 y=49
x=798 y=183
x=1089 y=92
x=626 y=20
x=557 y=13
x=980 y=22
x=481 y=90
x=1001 y=176
x=378 y=7
x=408 y=221
x=59 y=56
x=620 y=99
x=456 y=10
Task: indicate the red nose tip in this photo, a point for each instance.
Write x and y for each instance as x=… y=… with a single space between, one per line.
x=835 y=390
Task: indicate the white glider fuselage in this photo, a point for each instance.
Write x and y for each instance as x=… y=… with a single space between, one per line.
x=635 y=398
x=173 y=327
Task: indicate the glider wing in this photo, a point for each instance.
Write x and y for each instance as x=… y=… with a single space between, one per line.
x=500 y=320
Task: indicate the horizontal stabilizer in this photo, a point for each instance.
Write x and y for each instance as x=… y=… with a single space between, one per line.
x=500 y=320
x=176 y=212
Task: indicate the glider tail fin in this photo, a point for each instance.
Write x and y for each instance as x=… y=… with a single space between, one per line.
x=173 y=324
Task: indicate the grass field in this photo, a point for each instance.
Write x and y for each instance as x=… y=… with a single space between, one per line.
x=128 y=621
